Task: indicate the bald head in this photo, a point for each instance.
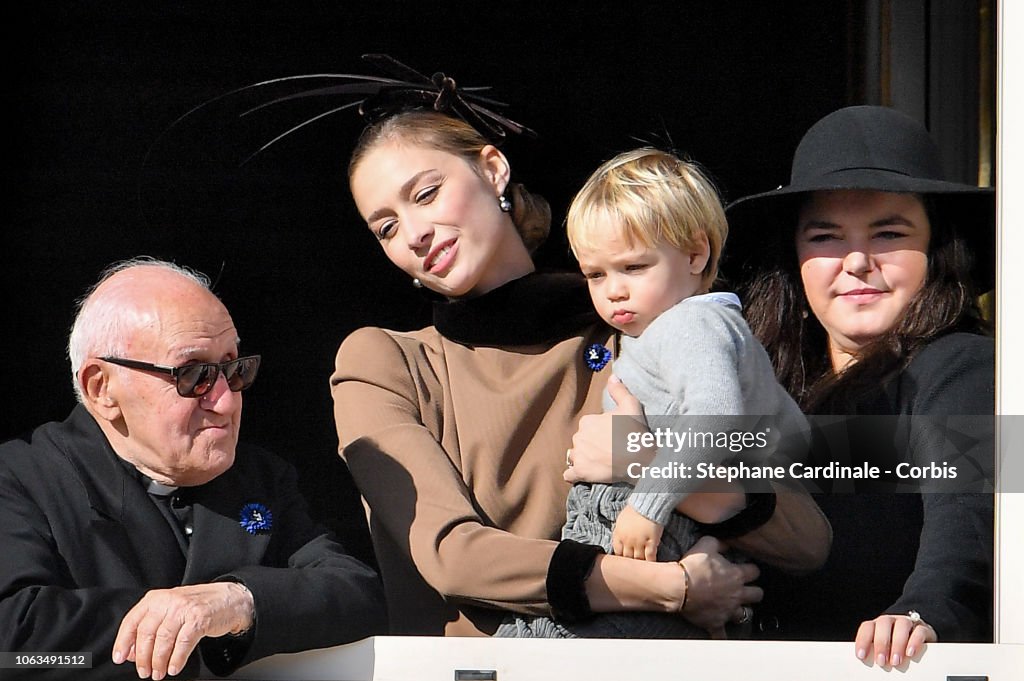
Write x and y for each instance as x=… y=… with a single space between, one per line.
x=129 y=298
x=144 y=321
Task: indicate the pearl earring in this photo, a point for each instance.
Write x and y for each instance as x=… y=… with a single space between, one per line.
x=504 y=204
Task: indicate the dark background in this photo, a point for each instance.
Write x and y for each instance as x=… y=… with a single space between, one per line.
x=91 y=89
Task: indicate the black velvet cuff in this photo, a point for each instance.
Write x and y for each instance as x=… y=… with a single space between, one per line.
x=571 y=564
x=759 y=510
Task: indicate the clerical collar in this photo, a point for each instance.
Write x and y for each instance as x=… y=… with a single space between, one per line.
x=154 y=487
x=537 y=308
x=151 y=485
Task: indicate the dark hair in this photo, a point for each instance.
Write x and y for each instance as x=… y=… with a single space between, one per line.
x=531 y=213
x=777 y=311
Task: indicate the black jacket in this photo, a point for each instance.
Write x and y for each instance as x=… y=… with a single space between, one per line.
x=81 y=542
x=896 y=552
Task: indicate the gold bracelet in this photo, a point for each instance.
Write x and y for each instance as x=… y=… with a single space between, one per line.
x=686 y=585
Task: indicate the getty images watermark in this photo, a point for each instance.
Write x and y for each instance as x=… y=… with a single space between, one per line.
x=954 y=454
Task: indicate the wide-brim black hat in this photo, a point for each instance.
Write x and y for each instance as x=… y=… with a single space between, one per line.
x=872 y=148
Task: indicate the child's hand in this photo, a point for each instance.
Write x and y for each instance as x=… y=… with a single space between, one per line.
x=634 y=536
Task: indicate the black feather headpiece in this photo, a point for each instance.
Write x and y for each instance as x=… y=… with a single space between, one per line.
x=377 y=97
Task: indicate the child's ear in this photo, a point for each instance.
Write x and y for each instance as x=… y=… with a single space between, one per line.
x=700 y=253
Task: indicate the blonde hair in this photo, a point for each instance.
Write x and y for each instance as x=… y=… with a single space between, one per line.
x=649 y=196
x=531 y=213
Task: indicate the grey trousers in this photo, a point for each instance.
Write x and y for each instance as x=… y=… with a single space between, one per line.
x=591 y=510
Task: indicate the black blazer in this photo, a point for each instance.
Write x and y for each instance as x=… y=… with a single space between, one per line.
x=81 y=542
x=892 y=553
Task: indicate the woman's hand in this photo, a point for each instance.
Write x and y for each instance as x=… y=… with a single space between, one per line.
x=591 y=459
x=892 y=638
x=718 y=590
x=709 y=591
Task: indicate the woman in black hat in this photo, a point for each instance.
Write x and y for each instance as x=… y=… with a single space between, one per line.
x=858 y=278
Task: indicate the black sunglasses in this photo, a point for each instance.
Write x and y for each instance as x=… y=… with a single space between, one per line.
x=195 y=380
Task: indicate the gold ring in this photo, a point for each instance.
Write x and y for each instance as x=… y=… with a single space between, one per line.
x=568 y=460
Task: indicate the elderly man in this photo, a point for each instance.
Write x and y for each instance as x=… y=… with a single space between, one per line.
x=138 y=530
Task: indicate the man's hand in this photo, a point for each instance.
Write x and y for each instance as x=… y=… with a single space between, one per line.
x=635 y=536
x=160 y=632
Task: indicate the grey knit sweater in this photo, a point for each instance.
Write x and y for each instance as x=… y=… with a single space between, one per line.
x=699 y=358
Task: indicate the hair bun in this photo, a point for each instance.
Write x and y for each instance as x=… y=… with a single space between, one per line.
x=531 y=215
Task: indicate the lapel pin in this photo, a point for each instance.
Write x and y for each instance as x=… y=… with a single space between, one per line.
x=256 y=518
x=597 y=356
